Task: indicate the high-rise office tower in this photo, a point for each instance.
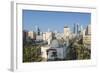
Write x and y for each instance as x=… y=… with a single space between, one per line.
x=77 y=25
x=76 y=28
x=66 y=32
x=38 y=31
x=88 y=30
x=81 y=28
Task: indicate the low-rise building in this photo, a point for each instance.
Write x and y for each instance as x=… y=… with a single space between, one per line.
x=53 y=51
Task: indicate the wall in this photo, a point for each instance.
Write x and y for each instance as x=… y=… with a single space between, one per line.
x=5 y=39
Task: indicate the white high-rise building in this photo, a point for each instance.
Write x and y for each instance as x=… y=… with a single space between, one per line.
x=66 y=32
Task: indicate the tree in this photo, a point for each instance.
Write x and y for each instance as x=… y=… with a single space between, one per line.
x=77 y=51
x=31 y=53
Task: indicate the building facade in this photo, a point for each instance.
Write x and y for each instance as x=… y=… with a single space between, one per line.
x=88 y=30
x=32 y=35
x=66 y=32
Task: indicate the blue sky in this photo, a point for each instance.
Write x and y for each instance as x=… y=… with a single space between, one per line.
x=53 y=20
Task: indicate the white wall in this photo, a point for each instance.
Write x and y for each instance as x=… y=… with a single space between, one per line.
x=5 y=36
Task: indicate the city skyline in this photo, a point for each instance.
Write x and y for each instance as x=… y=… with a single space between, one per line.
x=52 y=20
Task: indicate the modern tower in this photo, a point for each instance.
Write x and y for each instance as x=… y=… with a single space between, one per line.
x=66 y=32
x=76 y=28
x=77 y=25
x=38 y=31
x=88 y=30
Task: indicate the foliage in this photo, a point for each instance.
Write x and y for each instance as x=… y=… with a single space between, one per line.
x=78 y=51
x=31 y=53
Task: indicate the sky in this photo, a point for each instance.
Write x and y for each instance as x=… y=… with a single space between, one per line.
x=52 y=20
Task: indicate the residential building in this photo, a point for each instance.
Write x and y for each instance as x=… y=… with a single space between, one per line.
x=32 y=35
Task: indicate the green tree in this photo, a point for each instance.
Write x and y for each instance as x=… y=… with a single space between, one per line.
x=77 y=51
x=31 y=52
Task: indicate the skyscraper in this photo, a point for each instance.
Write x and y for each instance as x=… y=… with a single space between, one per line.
x=81 y=30
x=76 y=28
x=88 y=30
x=38 y=31
x=66 y=32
